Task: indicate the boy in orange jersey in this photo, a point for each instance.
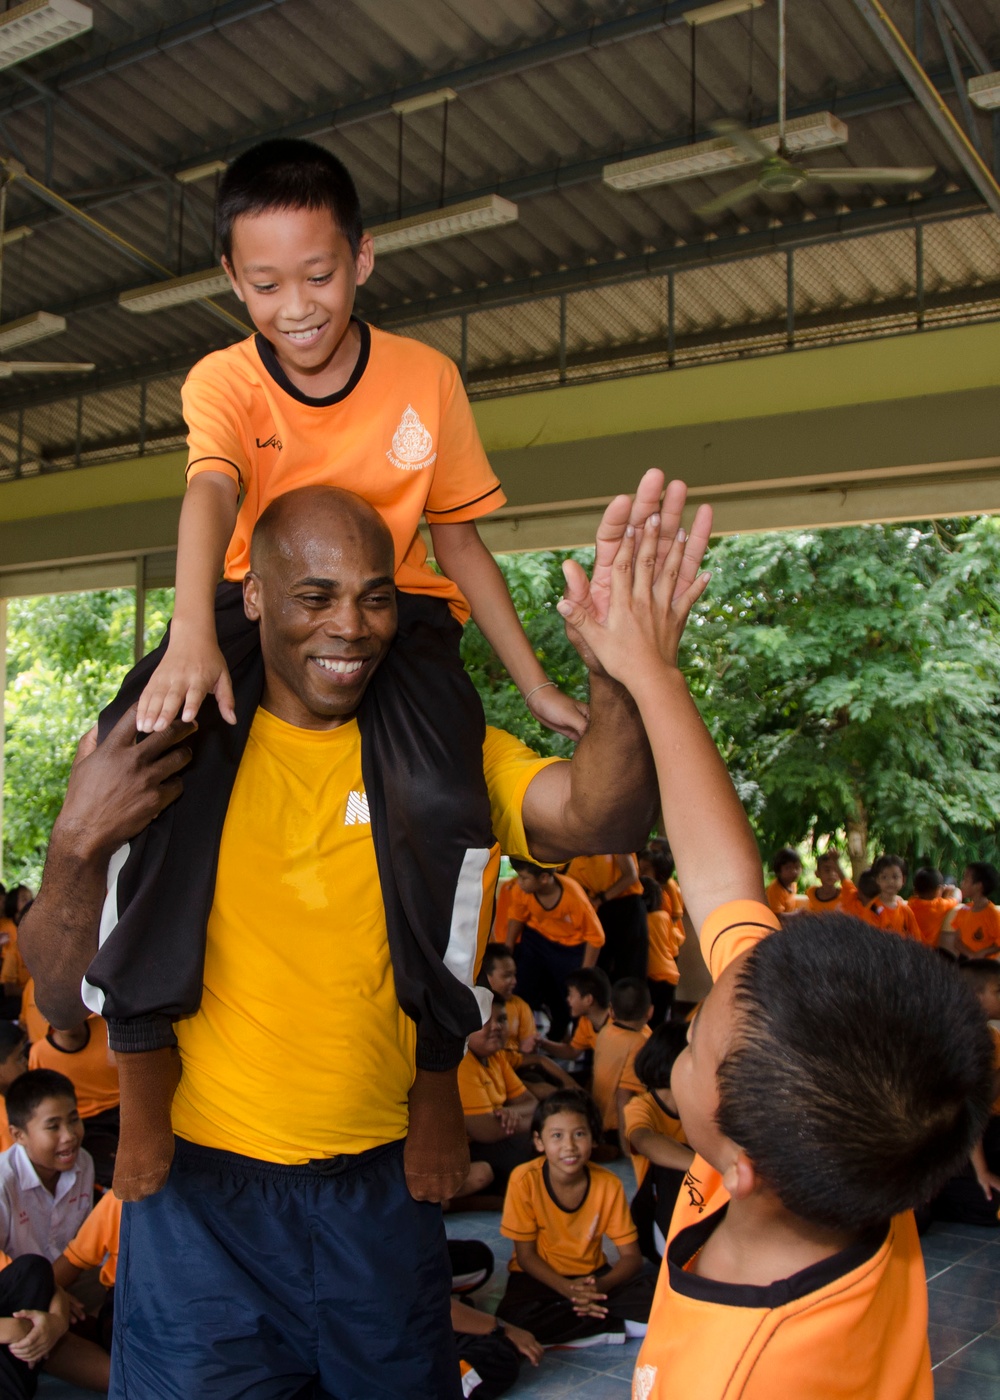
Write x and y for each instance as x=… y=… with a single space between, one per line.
x=929 y=904
x=975 y=924
x=616 y=1048
x=498 y=1106
x=613 y=887
x=588 y=1000
x=887 y=910
x=972 y=1196
x=782 y=892
x=95 y=1246
x=558 y=1210
x=655 y=1137
x=666 y=935
x=498 y=971
x=793 y=1266
x=828 y=896
x=82 y=1055
x=552 y=930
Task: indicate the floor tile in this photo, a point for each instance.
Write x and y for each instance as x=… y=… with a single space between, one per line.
x=604 y=1388
x=951 y=1383
x=945 y=1341
x=982 y=1356
x=987 y=1256
x=959 y=1310
x=971 y=1281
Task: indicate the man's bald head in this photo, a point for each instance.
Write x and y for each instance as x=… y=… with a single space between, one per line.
x=318 y=515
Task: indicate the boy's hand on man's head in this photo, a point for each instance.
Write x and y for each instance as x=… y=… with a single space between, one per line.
x=190 y=670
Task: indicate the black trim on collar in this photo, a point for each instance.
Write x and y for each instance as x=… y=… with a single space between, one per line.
x=270 y=362
x=78 y=1051
x=684 y=1246
x=656 y=1099
x=547 y=1179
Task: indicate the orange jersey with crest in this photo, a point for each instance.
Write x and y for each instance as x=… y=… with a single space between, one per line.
x=400 y=433
x=979 y=930
x=854 y=1325
x=570 y=922
x=782 y=901
x=486 y=1086
x=815 y=905
x=569 y=1241
x=899 y=919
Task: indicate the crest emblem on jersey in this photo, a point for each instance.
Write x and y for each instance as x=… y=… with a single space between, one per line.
x=412 y=444
x=642 y=1382
x=357 y=813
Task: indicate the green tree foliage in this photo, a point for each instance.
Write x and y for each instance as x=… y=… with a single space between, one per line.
x=66 y=656
x=851 y=678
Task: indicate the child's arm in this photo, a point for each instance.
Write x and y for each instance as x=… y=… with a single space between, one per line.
x=628 y=1265
x=637 y=645
x=462 y=555
x=46 y=1328
x=661 y=1150
x=483 y=1324
x=66 y=1274
x=515 y=927
x=193 y=666
x=543 y=1062
x=532 y=1263
x=630 y=873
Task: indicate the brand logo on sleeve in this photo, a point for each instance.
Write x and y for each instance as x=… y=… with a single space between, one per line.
x=357 y=813
x=412 y=445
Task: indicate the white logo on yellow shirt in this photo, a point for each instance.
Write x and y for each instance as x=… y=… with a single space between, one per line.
x=411 y=444
x=643 y=1382
x=357 y=813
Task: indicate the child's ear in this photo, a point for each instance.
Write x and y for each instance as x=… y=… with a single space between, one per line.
x=740 y=1177
x=227 y=268
x=536 y=1139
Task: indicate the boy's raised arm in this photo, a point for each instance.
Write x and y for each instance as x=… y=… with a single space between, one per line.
x=637 y=644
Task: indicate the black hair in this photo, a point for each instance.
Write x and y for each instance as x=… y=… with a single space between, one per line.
x=886 y=862
x=661 y=861
x=33 y=1088
x=860 y=1071
x=12 y=1036
x=569 y=1101
x=10 y=901
x=652 y=895
x=287 y=174
x=492 y=954
x=656 y=1058
x=784 y=857
x=867 y=885
x=630 y=999
x=980 y=969
x=528 y=867
x=986 y=875
x=592 y=982
x=831 y=853
x=927 y=881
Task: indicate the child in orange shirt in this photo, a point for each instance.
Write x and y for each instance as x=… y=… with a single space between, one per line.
x=95 y=1246
x=976 y=922
x=552 y=930
x=498 y=971
x=792 y=1260
x=82 y=1055
x=497 y=1105
x=828 y=896
x=666 y=936
x=887 y=910
x=782 y=892
x=616 y=1049
x=655 y=1137
x=558 y=1210
x=588 y=1000
x=928 y=904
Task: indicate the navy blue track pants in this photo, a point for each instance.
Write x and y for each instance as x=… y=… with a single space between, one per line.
x=246 y=1279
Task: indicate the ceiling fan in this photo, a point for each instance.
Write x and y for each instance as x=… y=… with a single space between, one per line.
x=8 y=368
x=776 y=174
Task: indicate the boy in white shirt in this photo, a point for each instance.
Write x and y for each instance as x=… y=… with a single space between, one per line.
x=46 y=1178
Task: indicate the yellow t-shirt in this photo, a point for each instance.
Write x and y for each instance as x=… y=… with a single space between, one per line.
x=401 y=434
x=300 y=1049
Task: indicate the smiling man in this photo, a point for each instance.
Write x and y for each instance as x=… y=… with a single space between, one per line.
x=286 y=1257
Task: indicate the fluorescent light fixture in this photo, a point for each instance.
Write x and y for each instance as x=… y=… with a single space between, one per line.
x=721 y=9
x=985 y=91
x=802 y=134
x=426 y=99
x=193 y=286
x=38 y=25
x=34 y=327
x=200 y=172
x=14 y=235
x=489 y=212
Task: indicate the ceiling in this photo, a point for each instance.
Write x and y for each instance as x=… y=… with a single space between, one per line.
x=589 y=283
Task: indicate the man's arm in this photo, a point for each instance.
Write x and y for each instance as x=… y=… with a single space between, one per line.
x=115 y=790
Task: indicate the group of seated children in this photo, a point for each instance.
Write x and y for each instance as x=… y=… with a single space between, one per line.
x=960 y=919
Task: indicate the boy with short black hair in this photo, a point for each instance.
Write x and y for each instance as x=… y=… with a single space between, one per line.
x=929 y=905
x=828 y=896
x=616 y=1049
x=793 y=1262
x=559 y=1209
x=654 y=1135
x=888 y=911
x=498 y=971
x=81 y=1053
x=497 y=1105
x=782 y=892
x=974 y=927
x=46 y=1178
x=588 y=998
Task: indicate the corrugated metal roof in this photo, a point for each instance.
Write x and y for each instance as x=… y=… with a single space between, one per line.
x=157 y=88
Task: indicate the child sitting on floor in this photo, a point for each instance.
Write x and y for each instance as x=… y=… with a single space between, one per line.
x=616 y=1049
x=499 y=972
x=95 y=1246
x=558 y=1210
x=498 y=1107
x=34 y=1320
x=834 y=1079
x=46 y=1178
x=588 y=996
x=82 y=1054
x=656 y=1139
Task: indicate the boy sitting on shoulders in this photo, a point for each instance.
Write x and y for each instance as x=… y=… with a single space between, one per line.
x=793 y=1265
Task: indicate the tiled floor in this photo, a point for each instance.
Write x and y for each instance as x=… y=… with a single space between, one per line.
x=963 y=1272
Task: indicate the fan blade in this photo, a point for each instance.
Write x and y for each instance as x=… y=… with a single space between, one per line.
x=744 y=140
x=871 y=175
x=728 y=200
x=8 y=367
